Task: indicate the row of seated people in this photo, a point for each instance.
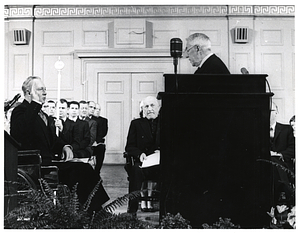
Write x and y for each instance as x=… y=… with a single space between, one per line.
x=35 y=130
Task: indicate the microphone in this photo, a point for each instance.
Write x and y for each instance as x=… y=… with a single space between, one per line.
x=12 y=102
x=244 y=70
x=175 y=51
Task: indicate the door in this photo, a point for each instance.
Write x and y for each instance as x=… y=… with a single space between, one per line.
x=120 y=94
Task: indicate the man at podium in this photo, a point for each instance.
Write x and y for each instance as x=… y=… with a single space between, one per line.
x=198 y=51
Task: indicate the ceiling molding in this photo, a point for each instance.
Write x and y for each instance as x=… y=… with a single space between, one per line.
x=122 y=11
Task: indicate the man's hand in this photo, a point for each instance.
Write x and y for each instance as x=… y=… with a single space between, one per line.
x=143 y=156
x=58 y=123
x=273 y=153
x=67 y=153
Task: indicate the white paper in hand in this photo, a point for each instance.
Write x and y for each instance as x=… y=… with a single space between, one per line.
x=151 y=160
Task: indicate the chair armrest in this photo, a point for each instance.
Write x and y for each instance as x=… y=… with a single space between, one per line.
x=29 y=157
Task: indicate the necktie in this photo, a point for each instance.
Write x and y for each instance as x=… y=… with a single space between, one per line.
x=42 y=115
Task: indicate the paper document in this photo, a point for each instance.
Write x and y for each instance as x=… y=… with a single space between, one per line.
x=84 y=160
x=151 y=160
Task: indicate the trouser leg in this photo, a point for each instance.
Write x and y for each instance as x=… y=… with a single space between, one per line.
x=99 y=152
x=135 y=183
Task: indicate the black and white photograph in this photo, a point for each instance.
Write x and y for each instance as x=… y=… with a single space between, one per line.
x=149 y=115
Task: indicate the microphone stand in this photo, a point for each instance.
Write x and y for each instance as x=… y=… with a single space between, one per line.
x=175 y=62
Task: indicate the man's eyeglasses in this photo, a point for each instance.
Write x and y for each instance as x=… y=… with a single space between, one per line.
x=41 y=89
x=187 y=50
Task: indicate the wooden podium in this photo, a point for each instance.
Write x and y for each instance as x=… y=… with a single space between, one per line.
x=214 y=128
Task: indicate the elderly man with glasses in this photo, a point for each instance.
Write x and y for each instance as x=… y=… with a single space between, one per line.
x=198 y=51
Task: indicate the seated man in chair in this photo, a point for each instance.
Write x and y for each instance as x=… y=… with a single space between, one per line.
x=143 y=140
x=35 y=130
x=282 y=150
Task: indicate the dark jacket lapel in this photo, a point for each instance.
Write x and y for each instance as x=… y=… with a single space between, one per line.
x=278 y=131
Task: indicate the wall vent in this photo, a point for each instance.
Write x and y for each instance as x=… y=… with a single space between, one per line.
x=241 y=35
x=20 y=37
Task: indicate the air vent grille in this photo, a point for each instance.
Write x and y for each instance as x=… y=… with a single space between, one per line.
x=241 y=35
x=20 y=36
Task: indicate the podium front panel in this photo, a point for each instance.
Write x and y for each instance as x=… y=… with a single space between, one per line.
x=210 y=150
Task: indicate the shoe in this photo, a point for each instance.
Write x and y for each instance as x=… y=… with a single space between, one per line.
x=151 y=209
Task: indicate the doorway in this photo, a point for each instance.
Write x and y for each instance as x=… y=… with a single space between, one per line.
x=119 y=85
x=120 y=94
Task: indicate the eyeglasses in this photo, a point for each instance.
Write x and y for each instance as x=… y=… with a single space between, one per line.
x=187 y=50
x=41 y=89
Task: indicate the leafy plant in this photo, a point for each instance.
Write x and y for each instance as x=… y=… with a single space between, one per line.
x=121 y=221
x=283 y=216
x=60 y=209
x=45 y=210
x=174 y=222
x=222 y=224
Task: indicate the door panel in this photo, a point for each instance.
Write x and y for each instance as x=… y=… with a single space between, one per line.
x=115 y=93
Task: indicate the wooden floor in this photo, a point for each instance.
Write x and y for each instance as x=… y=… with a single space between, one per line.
x=116 y=185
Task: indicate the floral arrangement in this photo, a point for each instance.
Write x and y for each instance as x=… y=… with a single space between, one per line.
x=283 y=217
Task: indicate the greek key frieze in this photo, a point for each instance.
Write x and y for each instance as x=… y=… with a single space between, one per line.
x=40 y=11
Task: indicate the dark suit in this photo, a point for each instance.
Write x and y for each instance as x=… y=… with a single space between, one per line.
x=28 y=128
x=93 y=133
x=213 y=65
x=140 y=140
x=284 y=143
x=99 y=151
x=102 y=128
x=83 y=139
x=68 y=134
x=77 y=134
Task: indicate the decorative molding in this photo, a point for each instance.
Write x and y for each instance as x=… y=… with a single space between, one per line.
x=121 y=11
x=274 y=10
x=116 y=53
x=129 y=11
x=240 y=10
x=18 y=11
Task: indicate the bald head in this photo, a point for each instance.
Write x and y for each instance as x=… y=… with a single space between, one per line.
x=150 y=107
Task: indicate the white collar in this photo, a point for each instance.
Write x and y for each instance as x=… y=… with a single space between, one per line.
x=205 y=58
x=73 y=119
x=64 y=119
x=273 y=126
